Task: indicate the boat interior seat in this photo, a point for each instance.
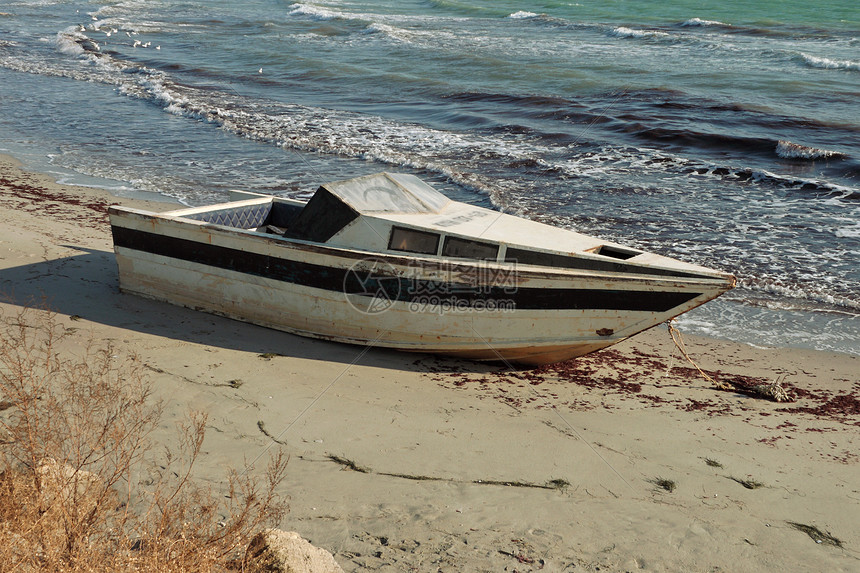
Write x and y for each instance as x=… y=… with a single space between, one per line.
x=244 y=217
x=280 y=217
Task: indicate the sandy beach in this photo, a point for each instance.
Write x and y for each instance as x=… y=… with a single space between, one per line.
x=406 y=462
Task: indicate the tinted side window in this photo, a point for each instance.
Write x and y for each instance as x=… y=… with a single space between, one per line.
x=468 y=249
x=412 y=241
x=527 y=257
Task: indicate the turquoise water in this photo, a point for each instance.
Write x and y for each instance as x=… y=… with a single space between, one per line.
x=727 y=134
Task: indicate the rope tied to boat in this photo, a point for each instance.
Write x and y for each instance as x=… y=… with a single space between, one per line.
x=679 y=344
x=773 y=391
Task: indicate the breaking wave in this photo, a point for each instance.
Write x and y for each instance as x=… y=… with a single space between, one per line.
x=790 y=293
x=625 y=32
x=828 y=64
x=848 y=232
x=789 y=150
x=71 y=41
x=315 y=12
x=698 y=22
x=521 y=15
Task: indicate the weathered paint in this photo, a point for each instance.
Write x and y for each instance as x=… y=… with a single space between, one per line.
x=306 y=288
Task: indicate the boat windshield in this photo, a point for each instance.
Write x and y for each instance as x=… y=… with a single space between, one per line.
x=337 y=204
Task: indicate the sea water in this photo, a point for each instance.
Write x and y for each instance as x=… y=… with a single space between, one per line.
x=726 y=135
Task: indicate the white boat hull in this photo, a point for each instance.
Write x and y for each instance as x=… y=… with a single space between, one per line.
x=519 y=333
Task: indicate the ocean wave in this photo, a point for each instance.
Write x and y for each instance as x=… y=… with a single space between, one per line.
x=828 y=64
x=687 y=137
x=625 y=32
x=453 y=154
x=511 y=99
x=70 y=41
x=598 y=164
x=418 y=37
x=816 y=186
x=809 y=187
x=321 y=130
x=336 y=132
x=698 y=22
x=797 y=295
x=369 y=19
x=521 y=15
x=316 y=12
x=731 y=319
x=389 y=31
x=848 y=232
x=789 y=150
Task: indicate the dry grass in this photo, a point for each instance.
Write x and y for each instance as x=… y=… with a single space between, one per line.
x=80 y=488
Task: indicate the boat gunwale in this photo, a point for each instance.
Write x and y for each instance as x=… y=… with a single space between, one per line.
x=524 y=270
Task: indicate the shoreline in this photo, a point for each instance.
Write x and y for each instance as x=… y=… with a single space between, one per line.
x=158 y=202
x=466 y=467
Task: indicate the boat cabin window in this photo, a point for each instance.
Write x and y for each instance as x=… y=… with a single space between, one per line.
x=526 y=257
x=412 y=241
x=469 y=249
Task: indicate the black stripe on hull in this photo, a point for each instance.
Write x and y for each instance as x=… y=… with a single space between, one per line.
x=396 y=288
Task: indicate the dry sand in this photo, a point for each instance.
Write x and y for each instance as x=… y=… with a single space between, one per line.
x=465 y=467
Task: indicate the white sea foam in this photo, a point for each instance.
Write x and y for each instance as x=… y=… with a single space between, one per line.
x=789 y=150
x=850 y=232
x=521 y=15
x=799 y=295
x=727 y=319
x=624 y=32
x=828 y=64
x=68 y=41
x=315 y=12
x=379 y=27
x=322 y=130
x=698 y=22
x=346 y=134
x=398 y=34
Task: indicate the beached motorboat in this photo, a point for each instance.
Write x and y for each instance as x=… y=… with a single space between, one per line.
x=386 y=260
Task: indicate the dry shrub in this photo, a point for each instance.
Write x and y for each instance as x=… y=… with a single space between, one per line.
x=80 y=489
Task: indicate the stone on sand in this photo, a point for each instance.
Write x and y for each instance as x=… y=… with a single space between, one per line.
x=277 y=551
